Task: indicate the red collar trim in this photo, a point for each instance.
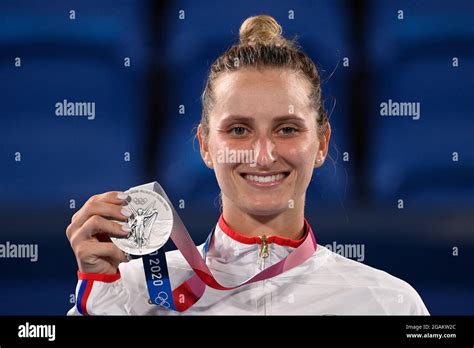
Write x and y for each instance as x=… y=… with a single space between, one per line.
x=257 y=240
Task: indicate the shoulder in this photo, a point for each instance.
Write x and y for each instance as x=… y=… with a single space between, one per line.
x=392 y=294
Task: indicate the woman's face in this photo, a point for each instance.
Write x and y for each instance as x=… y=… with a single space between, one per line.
x=262 y=141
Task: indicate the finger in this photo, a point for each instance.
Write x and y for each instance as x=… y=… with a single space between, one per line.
x=111 y=251
x=99 y=225
x=111 y=197
x=114 y=197
x=109 y=210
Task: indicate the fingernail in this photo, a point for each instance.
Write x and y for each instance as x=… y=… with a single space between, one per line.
x=122 y=195
x=126 y=228
x=125 y=212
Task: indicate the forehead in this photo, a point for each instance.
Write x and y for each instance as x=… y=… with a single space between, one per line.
x=268 y=91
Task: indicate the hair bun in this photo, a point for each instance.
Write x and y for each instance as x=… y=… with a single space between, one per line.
x=261 y=29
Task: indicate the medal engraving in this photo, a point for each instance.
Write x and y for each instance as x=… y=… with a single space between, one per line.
x=151 y=223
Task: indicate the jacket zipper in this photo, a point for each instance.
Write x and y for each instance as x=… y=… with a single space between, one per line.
x=264 y=247
x=264 y=253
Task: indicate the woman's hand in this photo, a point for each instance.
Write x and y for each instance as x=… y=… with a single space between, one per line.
x=90 y=231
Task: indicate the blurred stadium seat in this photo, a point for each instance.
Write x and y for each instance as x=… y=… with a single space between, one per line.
x=412 y=62
x=80 y=60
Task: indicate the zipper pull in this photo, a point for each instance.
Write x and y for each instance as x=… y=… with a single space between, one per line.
x=264 y=248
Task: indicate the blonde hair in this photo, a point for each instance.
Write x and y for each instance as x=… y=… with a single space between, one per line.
x=262 y=45
x=261 y=29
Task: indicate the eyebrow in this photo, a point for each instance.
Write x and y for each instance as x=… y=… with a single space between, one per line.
x=247 y=119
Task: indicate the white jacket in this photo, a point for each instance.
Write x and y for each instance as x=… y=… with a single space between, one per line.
x=325 y=284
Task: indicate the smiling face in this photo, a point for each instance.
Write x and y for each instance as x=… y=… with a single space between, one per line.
x=263 y=118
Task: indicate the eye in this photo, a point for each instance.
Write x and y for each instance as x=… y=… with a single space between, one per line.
x=238 y=131
x=288 y=130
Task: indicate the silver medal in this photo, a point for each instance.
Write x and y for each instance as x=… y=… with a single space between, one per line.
x=151 y=223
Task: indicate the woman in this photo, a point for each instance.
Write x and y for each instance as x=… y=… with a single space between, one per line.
x=262 y=98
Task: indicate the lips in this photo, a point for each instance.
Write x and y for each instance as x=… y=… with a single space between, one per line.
x=265 y=179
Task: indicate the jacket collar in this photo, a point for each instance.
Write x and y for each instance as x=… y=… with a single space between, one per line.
x=236 y=254
x=257 y=240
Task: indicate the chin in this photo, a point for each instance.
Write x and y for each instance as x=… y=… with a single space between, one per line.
x=265 y=208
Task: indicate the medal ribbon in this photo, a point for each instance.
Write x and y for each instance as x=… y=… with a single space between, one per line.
x=191 y=290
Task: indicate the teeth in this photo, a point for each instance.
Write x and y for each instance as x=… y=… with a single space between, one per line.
x=264 y=179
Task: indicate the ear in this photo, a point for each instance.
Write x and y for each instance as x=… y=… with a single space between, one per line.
x=204 y=148
x=323 y=147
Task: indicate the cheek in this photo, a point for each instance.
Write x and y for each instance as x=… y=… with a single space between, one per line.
x=217 y=147
x=301 y=154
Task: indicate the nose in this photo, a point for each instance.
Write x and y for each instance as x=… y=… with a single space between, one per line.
x=264 y=151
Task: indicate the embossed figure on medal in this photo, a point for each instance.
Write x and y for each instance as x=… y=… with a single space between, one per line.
x=141 y=222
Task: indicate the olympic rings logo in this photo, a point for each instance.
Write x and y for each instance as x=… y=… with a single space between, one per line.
x=140 y=200
x=162 y=296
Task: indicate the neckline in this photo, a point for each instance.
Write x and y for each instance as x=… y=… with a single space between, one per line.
x=294 y=243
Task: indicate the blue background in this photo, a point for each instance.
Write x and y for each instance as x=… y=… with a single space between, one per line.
x=137 y=111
